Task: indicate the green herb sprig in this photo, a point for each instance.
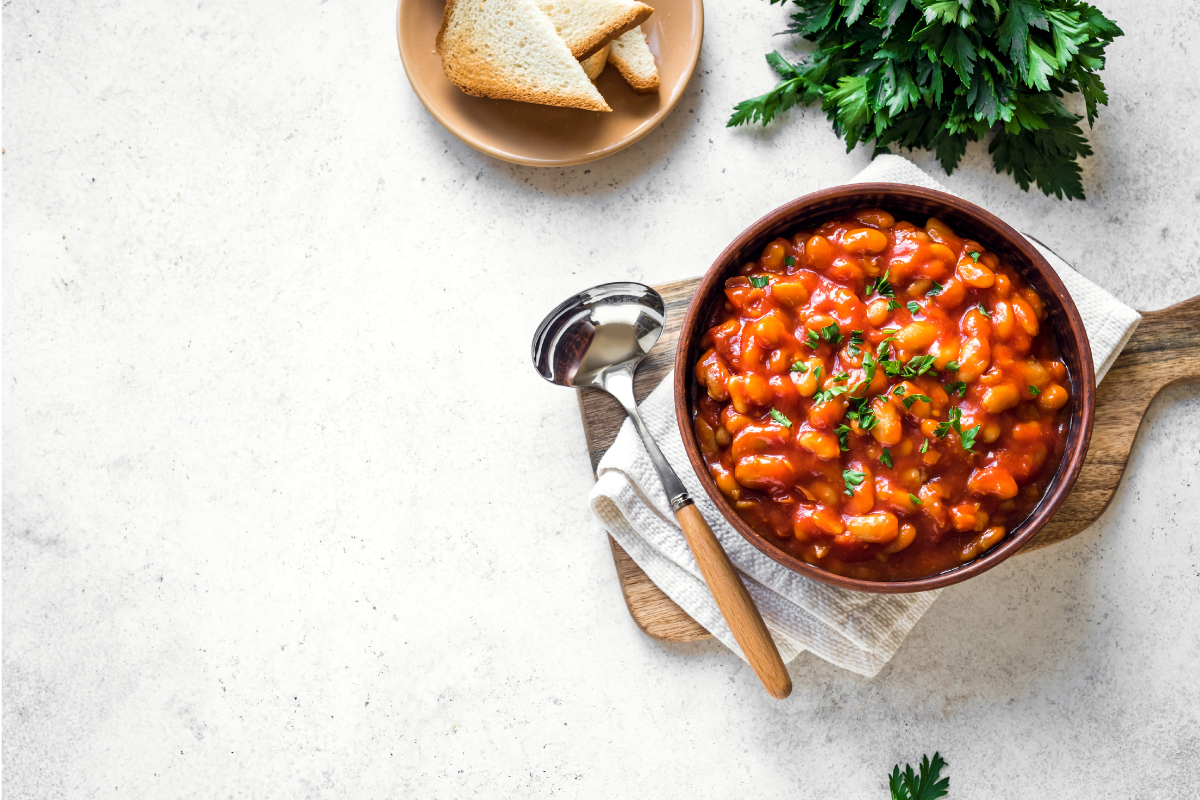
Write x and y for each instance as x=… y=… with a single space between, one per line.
x=926 y=784
x=939 y=74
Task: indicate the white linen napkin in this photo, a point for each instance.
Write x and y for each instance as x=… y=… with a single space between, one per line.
x=854 y=630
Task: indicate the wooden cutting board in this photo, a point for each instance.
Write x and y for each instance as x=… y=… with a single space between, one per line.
x=1165 y=349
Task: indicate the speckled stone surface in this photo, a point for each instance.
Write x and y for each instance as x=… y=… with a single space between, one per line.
x=287 y=513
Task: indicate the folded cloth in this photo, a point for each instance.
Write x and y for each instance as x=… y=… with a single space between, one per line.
x=854 y=630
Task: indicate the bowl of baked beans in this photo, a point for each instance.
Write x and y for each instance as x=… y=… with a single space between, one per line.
x=884 y=387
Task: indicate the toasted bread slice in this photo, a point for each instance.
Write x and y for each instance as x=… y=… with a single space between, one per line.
x=632 y=57
x=588 y=25
x=594 y=65
x=509 y=50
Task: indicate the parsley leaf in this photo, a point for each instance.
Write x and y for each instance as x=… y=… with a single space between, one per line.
x=759 y=281
x=912 y=306
x=881 y=286
x=927 y=784
x=940 y=74
x=814 y=341
x=831 y=333
x=952 y=366
x=956 y=387
x=925 y=446
x=892 y=305
x=885 y=458
x=935 y=290
x=853 y=478
x=1033 y=390
x=780 y=418
x=829 y=394
x=984 y=311
x=843 y=434
x=916 y=500
x=974 y=254
x=800 y=367
x=790 y=261
x=913 y=399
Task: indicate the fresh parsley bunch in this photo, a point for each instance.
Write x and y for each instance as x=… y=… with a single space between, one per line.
x=938 y=74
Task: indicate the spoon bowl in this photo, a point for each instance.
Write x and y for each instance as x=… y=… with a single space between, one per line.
x=608 y=327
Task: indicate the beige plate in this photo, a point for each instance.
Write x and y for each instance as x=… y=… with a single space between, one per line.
x=545 y=136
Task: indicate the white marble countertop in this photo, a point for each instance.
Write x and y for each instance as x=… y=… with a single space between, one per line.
x=287 y=513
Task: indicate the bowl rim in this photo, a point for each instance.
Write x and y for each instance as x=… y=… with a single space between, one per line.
x=777 y=223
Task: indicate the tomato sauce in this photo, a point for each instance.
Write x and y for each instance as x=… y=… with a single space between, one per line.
x=880 y=400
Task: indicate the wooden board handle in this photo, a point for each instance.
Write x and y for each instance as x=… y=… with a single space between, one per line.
x=734 y=601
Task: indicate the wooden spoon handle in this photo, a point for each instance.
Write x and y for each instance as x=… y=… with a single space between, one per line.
x=734 y=601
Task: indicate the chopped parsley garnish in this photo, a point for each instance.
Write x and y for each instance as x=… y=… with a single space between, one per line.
x=780 y=418
x=957 y=387
x=916 y=500
x=800 y=367
x=855 y=341
x=935 y=290
x=790 y=261
x=817 y=371
x=913 y=399
x=831 y=333
x=918 y=365
x=892 y=305
x=841 y=376
x=829 y=394
x=881 y=286
x=912 y=306
x=814 y=341
x=759 y=281
x=975 y=255
x=853 y=478
x=924 y=446
x=984 y=311
x=1033 y=390
x=885 y=458
x=968 y=437
x=951 y=366
x=868 y=373
x=955 y=423
x=843 y=434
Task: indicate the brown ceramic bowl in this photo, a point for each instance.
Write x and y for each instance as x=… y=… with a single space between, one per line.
x=915 y=205
x=546 y=136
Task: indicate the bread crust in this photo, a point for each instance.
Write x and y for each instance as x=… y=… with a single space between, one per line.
x=636 y=16
x=639 y=82
x=468 y=74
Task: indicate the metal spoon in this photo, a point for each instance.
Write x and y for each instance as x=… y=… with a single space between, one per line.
x=597 y=339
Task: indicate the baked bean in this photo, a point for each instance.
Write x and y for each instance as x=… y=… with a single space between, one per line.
x=906 y=535
x=917 y=335
x=818 y=252
x=887 y=428
x=879 y=527
x=875 y=216
x=1025 y=316
x=975 y=275
x=995 y=481
x=1053 y=397
x=877 y=312
x=769 y=472
x=822 y=445
x=792 y=293
x=982 y=543
x=773 y=255
x=864 y=240
x=800 y=389
x=1001 y=398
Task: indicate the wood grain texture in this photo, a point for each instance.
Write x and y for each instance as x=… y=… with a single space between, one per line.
x=1164 y=350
